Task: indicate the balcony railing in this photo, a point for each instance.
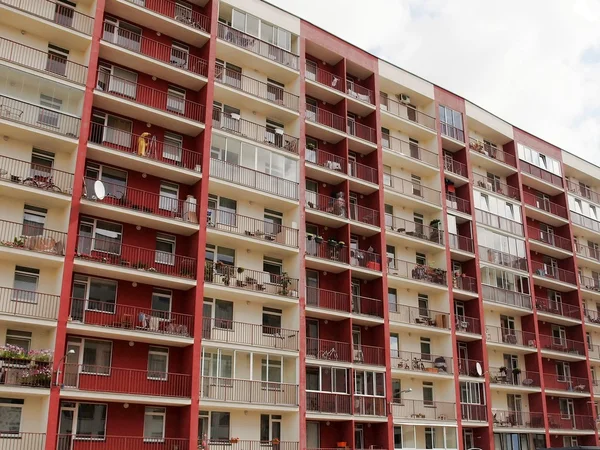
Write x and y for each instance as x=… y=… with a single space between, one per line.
x=35 y=176
x=589 y=283
x=473 y=413
x=500 y=258
x=95 y=378
x=571 y=422
x=544 y=270
x=360 y=93
x=365 y=259
x=40 y=61
x=492 y=152
x=551 y=239
x=496 y=186
x=458 y=204
x=361 y=131
x=327 y=250
x=115 y=253
x=518 y=419
x=583 y=191
x=25 y=373
x=363 y=172
x=368 y=354
x=421 y=362
x=513 y=377
x=369 y=406
x=328 y=402
x=321 y=76
x=249 y=391
x=468 y=367
x=544 y=304
x=326 y=350
x=254 y=179
x=414 y=230
x=464 y=283
x=327 y=160
x=251 y=334
x=452 y=132
x=587 y=252
x=506 y=297
x=21 y=303
x=540 y=173
x=180 y=13
x=363 y=214
x=585 y=222
x=407 y=112
x=419 y=316
x=256 y=88
x=499 y=222
x=148 y=96
x=258 y=229
x=326 y=299
x=324 y=203
x=131 y=318
x=226 y=444
x=35 y=116
x=250 y=280
x=501 y=335
x=410 y=149
x=560 y=344
x=367 y=306
x=544 y=205
x=180 y=59
x=594 y=353
x=592 y=316
x=32 y=238
x=423 y=409
x=59 y=13
x=84 y=442
x=461 y=243
x=465 y=324
x=418 y=272
x=23 y=441
x=566 y=383
x=325 y=118
x=412 y=189
x=145 y=146
x=456 y=167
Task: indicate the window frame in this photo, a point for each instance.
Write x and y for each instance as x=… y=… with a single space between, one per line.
x=155 y=413
x=158 y=351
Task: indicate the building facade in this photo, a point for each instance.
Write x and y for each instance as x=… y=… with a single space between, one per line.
x=223 y=227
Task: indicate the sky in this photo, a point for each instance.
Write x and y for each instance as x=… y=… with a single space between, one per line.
x=533 y=63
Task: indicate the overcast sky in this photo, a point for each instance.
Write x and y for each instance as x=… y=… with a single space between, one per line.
x=534 y=63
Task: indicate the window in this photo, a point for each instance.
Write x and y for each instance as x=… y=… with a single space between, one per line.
x=219 y=426
x=57 y=60
x=258 y=28
x=91 y=420
x=428 y=393
x=169 y=198
x=271 y=320
x=273 y=266
x=10 y=415
x=161 y=303
x=452 y=123
x=429 y=437
x=538 y=159
x=158 y=363
x=165 y=249
x=421 y=259
x=559 y=335
x=274 y=136
x=179 y=55
x=395 y=344
x=426 y=349
x=111 y=129
x=423 y=301
x=19 y=338
x=270 y=427
x=387 y=176
x=217 y=365
x=570 y=441
x=566 y=407
x=220 y=254
x=106 y=236
x=271 y=370
x=96 y=357
x=25 y=284
x=416 y=185
x=173 y=146
x=221 y=211
x=100 y=293
x=176 y=100
x=154 y=424
x=46 y=116
x=563 y=371
x=273 y=222
x=223 y=314
x=41 y=164
x=392 y=300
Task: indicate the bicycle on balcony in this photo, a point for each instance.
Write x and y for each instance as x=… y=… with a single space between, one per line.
x=41 y=182
x=330 y=354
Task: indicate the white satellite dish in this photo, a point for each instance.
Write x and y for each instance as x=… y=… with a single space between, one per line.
x=99 y=190
x=478 y=369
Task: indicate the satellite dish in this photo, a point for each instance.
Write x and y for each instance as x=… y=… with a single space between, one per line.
x=99 y=190
x=478 y=369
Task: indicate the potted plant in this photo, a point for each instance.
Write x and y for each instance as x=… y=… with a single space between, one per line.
x=276 y=441
x=240 y=270
x=341 y=244
x=310 y=236
x=318 y=239
x=310 y=146
x=503 y=370
x=234 y=440
x=516 y=371
x=342 y=444
x=332 y=243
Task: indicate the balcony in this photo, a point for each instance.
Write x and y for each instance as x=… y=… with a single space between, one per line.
x=588 y=252
x=570 y=384
x=422 y=362
x=421 y=236
x=24 y=440
x=25 y=374
x=253 y=179
x=360 y=93
x=518 y=419
x=506 y=297
x=468 y=325
x=511 y=378
x=249 y=392
x=128 y=382
x=331 y=126
x=589 y=283
x=461 y=243
x=497 y=187
x=507 y=336
x=326 y=299
x=502 y=259
x=499 y=222
x=366 y=306
x=28 y=304
x=413 y=190
x=19 y=242
x=424 y=410
x=219 y=274
x=562 y=345
x=544 y=210
x=417 y=272
x=327 y=350
x=148 y=105
x=583 y=191
x=458 y=204
x=71 y=441
x=420 y=124
x=574 y=422
x=468 y=367
x=585 y=222
x=545 y=305
x=555 y=242
x=336 y=167
x=363 y=172
x=249 y=334
x=368 y=354
x=462 y=282
x=546 y=275
x=144 y=154
x=482 y=151
x=43 y=62
x=124 y=320
x=336 y=253
x=362 y=132
x=422 y=318
x=328 y=403
x=369 y=406
x=416 y=155
x=453 y=136
x=472 y=412
x=329 y=80
x=538 y=174
x=455 y=170
x=592 y=316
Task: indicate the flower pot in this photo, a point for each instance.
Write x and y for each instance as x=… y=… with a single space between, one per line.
x=341 y=444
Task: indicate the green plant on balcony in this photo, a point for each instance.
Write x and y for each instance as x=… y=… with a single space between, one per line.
x=318 y=239
x=310 y=146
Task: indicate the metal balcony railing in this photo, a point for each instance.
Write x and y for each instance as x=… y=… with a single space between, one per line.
x=592 y=316
x=452 y=132
x=473 y=413
x=21 y=303
x=461 y=243
x=131 y=318
x=327 y=160
x=506 y=297
x=58 y=13
x=464 y=283
x=365 y=259
x=468 y=367
x=361 y=131
x=410 y=149
x=414 y=230
x=412 y=189
x=465 y=324
x=585 y=222
x=367 y=306
x=326 y=299
x=321 y=76
x=587 y=252
x=226 y=444
x=544 y=304
x=329 y=250
x=369 y=406
x=325 y=118
x=251 y=392
x=368 y=354
x=547 y=271
x=456 y=167
x=181 y=13
x=423 y=409
x=23 y=440
x=407 y=112
x=330 y=205
x=32 y=238
x=540 y=173
x=501 y=335
x=583 y=191
x=363 y=172
x=328 y=402
x=363 y=214
x=566 y=383
x=560 y=344
x=544 y=205
x=492 y=152
x=571 y=422
x=518 y=419
x=421 y=362
x=458 y=204
x=551 y=239
x=251 y=334
x=327 y=350
x=418 y=272
x=360 y=93
x=502 y=223
x=500 y=258
x=511 y=377
x=27 y=373
x=495 y=186
x=35 y=176
x=419 y=316
x=84 y=442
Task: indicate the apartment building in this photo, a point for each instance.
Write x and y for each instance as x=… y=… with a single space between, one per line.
x=223 y=227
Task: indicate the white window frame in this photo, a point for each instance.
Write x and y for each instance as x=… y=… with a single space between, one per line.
x=29 y=272
x=162 y=257
x=172 y=147
x=176 y=97
x=9 y=434
x=158 y=351
x=162 y=414
x=93 y=222
x=19 y=337
x=87 y=280
x=163 y=293
x=81 y=364
x=169 y=197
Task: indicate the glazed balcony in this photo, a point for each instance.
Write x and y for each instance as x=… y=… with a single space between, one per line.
x=360 y=131
x=452 y=132
x=419 y=316
x=20 y=373
x=114 y=380
x=417 y=272
x=455 y=167
x=368 y=354
x=29 y=238
x=508 y=377
x=583 y=191
x=543 y=304
x=250 y=227
x=410 y=150
x=469 y=325
x=321 y=76
x=363 y=172
x=456 y=203
x=587 y=252
x=406 y=112
x=367 y=306
x=414 y=230
x=260 y=181
x=423 y=409
x=473 y=412
x=360 y=93
x=75 y=442
x=552 y=240
x=412 y=189
x=570 y=384
x=574 y=422
x=326 y=299
x=499 y=222
x=496 y=187
x=492 y=152
x=585 y=222
x=125 y=318
x=518 y=419
x=327 y=350
x=369 y=406
x=561 y=345
x=173 y=10
x=464 y=283
x=461 y=243
x=256 y=46
x=541 y=174
x=42 y=62
x=54 y=12
x=326 y=118
x=594 y=353
x=506 y=297
x=250 y=280
x=545 y=205
x=328 y=402
x=468 y=367
x=230 y=390
x=249 y=334
x=422 y=362
x=556 y=273
x=33 y=305
x=34 y=176
x=502 y=259
x=519 y=338
x=255 y=88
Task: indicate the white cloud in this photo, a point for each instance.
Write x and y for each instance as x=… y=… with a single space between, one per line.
x=534 y=63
